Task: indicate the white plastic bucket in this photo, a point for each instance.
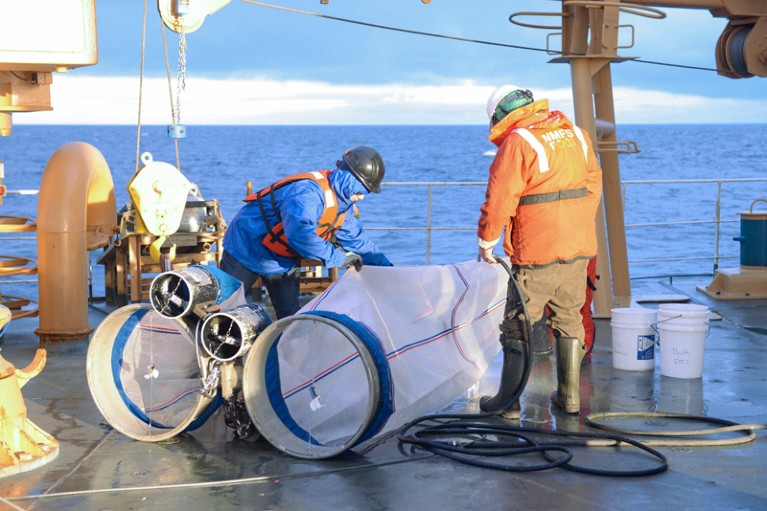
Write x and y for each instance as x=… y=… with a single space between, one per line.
x=681 y=349
x=683 y=314
x=633 y=338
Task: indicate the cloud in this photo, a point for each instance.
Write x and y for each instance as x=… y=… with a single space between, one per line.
x=639 y=106
x=115 y=100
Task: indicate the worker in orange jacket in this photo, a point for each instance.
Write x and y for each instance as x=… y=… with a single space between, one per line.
x=544 y=188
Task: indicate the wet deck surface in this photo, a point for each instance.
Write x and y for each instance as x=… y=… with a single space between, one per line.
x=101 y=469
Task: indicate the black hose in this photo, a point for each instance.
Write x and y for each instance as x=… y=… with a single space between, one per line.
x=463 y=439
x=481 y=439
x=528 y=354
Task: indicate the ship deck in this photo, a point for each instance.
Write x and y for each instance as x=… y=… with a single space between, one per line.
x=98 y=468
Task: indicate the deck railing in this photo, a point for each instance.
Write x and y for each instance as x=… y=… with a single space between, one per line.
x=716 y=222
x=737 y=191
x=746 y=186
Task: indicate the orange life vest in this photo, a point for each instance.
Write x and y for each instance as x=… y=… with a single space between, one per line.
x=328 y=223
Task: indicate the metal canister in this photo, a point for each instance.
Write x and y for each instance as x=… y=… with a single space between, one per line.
x=177 y=293
x=228 y=335
x=753 y=236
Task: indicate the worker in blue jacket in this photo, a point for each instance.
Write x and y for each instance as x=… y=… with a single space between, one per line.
x=304 y=215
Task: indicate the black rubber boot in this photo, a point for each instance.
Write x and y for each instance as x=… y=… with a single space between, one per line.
x=512 y=375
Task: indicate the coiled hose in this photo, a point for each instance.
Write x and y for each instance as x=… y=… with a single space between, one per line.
x=464 y=438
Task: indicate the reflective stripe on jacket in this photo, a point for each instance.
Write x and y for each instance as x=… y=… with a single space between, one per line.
x=329 y=222
x=544 y=188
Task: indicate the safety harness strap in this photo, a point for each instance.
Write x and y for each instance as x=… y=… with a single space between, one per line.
x=540 y=198
x=329 y=222
x=274 y=239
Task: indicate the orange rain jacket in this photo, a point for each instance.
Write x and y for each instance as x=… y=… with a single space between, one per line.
x=544 y=187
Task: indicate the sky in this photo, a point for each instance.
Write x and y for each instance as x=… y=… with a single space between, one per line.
x=250 y=64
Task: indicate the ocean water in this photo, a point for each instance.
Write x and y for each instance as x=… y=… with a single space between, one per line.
x=222 y=159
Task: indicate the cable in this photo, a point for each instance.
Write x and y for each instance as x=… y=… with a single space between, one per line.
x=394 y=29
x=728 y=427
x=463 y=39
x=201 y=484
x=482 y=439
x=22 y=78
x=464 y=440
x=461 y=438
x=682 y=66
x=141 y=87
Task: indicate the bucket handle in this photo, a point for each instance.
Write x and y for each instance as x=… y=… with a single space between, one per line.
x=751 y=209
x=654 y=325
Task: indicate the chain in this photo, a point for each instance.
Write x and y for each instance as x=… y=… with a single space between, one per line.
x=210 y=382
x=181 y=76
x=236 y=417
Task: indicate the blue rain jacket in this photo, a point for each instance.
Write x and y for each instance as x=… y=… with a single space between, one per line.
x=301 y=204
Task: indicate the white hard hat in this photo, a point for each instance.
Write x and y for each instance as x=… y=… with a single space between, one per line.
x=496 y=97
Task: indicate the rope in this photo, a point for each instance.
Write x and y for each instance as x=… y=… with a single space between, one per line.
x=463 y=39
x=727 y=427
x=202 y=484
x=141 y=88
x=465 y=441
x=175 y=109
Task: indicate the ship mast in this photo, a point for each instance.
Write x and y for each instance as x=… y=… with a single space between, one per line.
x=589 y=32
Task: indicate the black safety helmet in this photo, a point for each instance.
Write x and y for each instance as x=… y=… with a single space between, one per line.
x=366 y=164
